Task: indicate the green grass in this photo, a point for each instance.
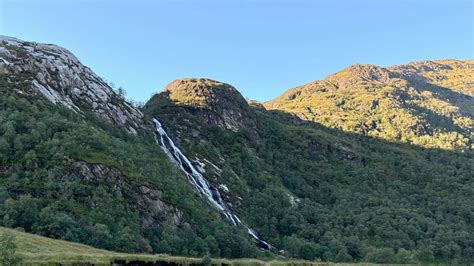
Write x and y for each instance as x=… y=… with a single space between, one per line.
x=39 y=250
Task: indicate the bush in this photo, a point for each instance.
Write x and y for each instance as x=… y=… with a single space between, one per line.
x=8 y=248
x=382 y=255
x=343 y=256
x=404 y=256
x=206 y=260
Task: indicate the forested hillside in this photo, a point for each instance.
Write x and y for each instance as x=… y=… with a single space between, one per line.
x=317 y=192
x=93 y=173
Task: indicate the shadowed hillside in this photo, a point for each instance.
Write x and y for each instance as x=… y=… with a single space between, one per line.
x=319 y=192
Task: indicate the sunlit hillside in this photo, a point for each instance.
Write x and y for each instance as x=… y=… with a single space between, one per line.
x=427 y=103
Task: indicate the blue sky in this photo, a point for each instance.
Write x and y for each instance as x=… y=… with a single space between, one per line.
x=262 y=48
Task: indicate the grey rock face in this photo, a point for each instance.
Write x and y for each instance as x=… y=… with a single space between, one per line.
x=58 y=75
x=144 y=197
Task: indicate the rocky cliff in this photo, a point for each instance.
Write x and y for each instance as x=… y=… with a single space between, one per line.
x=57 y=74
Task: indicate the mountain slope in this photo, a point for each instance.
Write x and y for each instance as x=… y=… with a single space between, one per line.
x=316 y=192
x=78 y=163
x=426 y=103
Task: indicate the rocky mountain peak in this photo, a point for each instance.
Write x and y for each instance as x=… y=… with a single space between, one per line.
x=204 y=93
x=218 y=103
x=57 y=74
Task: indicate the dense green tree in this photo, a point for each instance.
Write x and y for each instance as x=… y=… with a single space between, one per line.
x=22 y=212
x=343 y=256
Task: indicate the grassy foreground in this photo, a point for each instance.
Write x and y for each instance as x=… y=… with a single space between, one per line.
x=38 y=250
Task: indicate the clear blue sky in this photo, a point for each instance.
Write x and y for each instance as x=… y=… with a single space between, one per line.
x=261 y=47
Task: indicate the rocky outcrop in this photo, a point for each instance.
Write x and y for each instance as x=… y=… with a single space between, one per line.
x=215 y=102
x=58 y=75
x=457 y=75
x=142 y=196
x=358 y=74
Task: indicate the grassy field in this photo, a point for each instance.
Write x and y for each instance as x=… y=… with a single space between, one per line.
x=38 y=250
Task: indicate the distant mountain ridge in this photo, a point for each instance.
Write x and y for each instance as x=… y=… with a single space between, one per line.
x=428 y=103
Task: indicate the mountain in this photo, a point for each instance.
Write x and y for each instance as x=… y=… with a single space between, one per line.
x=199 y=170
x=428 y=103
x=318 y=192
x=79 y=163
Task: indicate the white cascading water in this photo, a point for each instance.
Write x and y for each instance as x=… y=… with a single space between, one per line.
x=198 y=180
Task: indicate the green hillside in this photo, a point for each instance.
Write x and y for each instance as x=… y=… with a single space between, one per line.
x=317 y=192
x=77 y=178
x=429 y=104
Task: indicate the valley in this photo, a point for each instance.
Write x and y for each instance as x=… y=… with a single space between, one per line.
x=370 y=165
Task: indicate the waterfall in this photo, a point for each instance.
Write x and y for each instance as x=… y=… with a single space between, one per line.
x=199 y=181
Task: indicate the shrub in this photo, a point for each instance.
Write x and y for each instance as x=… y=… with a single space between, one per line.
x=8 y=248
x=382 y=255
